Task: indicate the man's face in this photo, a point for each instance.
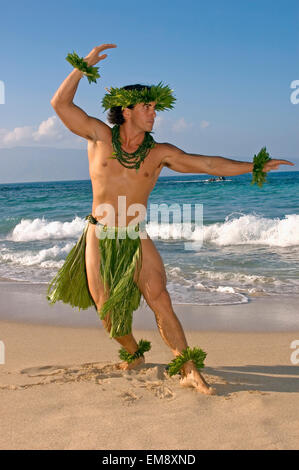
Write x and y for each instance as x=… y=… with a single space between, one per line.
x=143 y=115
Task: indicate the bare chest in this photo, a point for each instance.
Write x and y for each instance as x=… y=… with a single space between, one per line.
x=103 y=168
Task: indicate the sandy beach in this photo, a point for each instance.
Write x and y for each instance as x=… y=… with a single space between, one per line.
x=61 y=389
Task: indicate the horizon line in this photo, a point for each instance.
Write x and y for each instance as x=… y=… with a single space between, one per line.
x=163 y=176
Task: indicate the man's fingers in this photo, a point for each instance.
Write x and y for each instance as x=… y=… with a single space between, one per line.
x=274 y=164
x=275 y=161
x=285 y=162
x=105 y=46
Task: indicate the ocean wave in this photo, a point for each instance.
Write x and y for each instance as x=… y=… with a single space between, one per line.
x=41 y=229
x=205 y=295
x=241 y=230
x=255 y=230
x=238 y=279
x=228 y=283
x=42 y=258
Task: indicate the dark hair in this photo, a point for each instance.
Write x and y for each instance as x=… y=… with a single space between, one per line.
x=115 y=114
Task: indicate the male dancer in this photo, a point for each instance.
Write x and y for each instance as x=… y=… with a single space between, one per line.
x=111 y=179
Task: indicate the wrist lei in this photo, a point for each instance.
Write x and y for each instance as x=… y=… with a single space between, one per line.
x=143 y=346
x=196 y=355
x=80 y=64
x=259 y=160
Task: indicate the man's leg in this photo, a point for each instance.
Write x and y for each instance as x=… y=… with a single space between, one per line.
x=152 y=283
x=96 y=288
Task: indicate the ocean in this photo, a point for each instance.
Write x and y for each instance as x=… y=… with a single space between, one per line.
x=246 y=246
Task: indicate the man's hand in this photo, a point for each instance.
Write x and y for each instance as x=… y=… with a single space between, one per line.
x=93 y=57
x=274 y=164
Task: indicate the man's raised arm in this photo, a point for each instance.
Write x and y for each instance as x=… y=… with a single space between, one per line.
x=75 y=119
x=178 y=160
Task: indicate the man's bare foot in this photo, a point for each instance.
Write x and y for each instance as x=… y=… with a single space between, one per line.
x=194 y=379
x=131 y=365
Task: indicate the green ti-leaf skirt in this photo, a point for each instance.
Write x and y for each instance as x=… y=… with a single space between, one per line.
x=120 y=257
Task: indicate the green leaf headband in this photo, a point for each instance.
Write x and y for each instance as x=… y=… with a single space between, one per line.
x=160 y=93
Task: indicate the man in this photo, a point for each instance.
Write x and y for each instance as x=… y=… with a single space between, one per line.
x=111 y=179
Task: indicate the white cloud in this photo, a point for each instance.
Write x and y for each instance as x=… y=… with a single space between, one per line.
x=19 y=134
x=51 y=133
x=181 y=125
x=51 y=128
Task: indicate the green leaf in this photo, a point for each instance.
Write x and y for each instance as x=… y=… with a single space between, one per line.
x=143 y=346
x=197 y=355
x=160 y=93
x=79 y=63
x=258 y=175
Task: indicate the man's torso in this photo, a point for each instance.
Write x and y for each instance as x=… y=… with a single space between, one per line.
x=111 y=179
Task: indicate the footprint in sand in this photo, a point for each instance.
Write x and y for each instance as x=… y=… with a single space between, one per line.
x=88 y=372
x=150 y=377
x=129 y=397
x=158 y=388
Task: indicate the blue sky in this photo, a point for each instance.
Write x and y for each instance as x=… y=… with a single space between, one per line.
x=231 y=64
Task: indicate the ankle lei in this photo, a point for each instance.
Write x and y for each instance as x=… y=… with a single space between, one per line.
x=197 y=355
x=143 y=346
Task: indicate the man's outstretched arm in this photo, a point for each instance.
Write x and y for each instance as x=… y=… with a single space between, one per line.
x=74 y=118
x=183 y=162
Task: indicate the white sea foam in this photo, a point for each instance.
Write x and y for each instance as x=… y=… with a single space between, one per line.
x=256 y=230
x=41 y=229
x=42 y=258
x=242 y=230
x=204 y=295
x=234 y=276
x=210 y=289
x=228 y=289
x=176 y=274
